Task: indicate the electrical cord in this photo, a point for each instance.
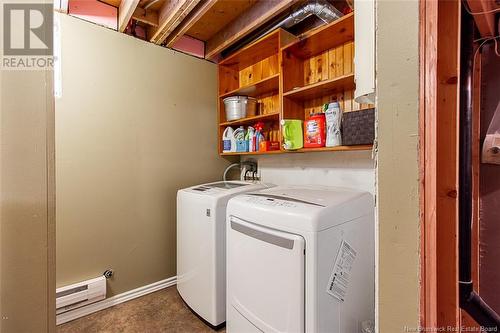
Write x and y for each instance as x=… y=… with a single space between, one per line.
x=466 y=7
x=484 y=41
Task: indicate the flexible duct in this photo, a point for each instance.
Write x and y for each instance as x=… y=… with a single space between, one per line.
x=322 y=9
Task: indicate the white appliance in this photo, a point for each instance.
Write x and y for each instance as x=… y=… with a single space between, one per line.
x=300 y=259
x=80 y=294
x=201 y=243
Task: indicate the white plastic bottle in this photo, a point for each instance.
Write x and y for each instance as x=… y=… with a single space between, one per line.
x=333 y=116
x=228 y=140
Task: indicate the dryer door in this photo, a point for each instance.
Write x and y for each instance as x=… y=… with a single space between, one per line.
x=265 y=277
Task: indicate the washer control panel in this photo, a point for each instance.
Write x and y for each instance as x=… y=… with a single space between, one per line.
x=268 y=201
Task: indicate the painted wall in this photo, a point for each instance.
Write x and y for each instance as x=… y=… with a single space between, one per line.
x=135 y=123
x=397 y=294
x=27 y=211
x=345 y=169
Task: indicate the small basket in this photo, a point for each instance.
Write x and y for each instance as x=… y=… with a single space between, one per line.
x=358 y=127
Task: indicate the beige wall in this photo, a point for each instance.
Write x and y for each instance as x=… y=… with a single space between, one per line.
x=135 y=123
x=27 y=225
x=397 y=165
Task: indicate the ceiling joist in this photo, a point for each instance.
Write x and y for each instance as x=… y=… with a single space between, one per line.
x=127 y=8
x=245 y=24
x=146 y=16
x=61 y=6
x=197 y=13
x=171 y=15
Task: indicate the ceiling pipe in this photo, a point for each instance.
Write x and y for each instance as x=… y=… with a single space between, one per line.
x=150 y=4
x=322 y=9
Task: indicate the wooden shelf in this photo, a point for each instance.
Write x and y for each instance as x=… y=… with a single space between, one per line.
x=253 y=119
x=338 y=148
x=258 y=50
x=322 y=88
x=253 y=153
x=324 y=38
x=259 y=88
x=305 y=150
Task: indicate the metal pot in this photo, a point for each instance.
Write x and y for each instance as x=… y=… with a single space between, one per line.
x=238 y=107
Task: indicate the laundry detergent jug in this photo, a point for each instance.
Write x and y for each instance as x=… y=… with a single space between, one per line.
x=228 y=140
x=292 y=134
x=314 y=131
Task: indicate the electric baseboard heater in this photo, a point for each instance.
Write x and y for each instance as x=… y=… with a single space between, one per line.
x=80 y=294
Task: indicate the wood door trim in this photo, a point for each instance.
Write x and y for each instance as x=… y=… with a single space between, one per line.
x=439 y=34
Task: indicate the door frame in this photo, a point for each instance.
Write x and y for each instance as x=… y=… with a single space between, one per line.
x=438 y=108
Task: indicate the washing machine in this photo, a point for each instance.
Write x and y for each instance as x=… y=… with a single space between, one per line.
x=300 y=259
x=201 y=260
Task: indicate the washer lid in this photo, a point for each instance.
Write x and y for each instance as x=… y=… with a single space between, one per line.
x=322 y=196
x=227 y=185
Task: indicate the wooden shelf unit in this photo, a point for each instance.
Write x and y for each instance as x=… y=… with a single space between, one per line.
x=254 y=71
x=292 y=79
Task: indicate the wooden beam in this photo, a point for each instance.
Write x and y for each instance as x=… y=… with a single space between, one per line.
x=245 y=24
x=61 y=6
x=146 y=16
x=171 y=15
x=127 y=8
x=197 y=13
x=440 y=38
x=428 y=152
x=485 y=22
x=447 y=141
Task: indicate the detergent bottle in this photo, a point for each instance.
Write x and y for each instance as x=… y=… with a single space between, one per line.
x=228 y=140
x=333 y=115
x=239 y=137
x=250 y=136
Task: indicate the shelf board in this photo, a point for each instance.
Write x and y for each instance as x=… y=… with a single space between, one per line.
x=253 y=119
x=307 y=150
x=337 y=148
x=255 y=52
x=258 y=88
x=324 y=38
x=322 y=88
x=253 y=153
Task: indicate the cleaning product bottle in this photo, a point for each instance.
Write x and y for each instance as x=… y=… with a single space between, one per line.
x=239 y=137
x=250 y=137
x=228 y=141
x=333 y=115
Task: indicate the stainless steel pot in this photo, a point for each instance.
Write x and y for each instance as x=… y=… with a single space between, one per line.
x=238 y=107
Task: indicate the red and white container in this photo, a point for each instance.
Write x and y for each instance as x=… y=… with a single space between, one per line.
x=315 y=131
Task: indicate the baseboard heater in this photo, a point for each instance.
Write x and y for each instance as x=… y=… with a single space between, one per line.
x=80 y=294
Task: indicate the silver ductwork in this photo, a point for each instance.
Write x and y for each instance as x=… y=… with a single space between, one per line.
x=322 y=9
